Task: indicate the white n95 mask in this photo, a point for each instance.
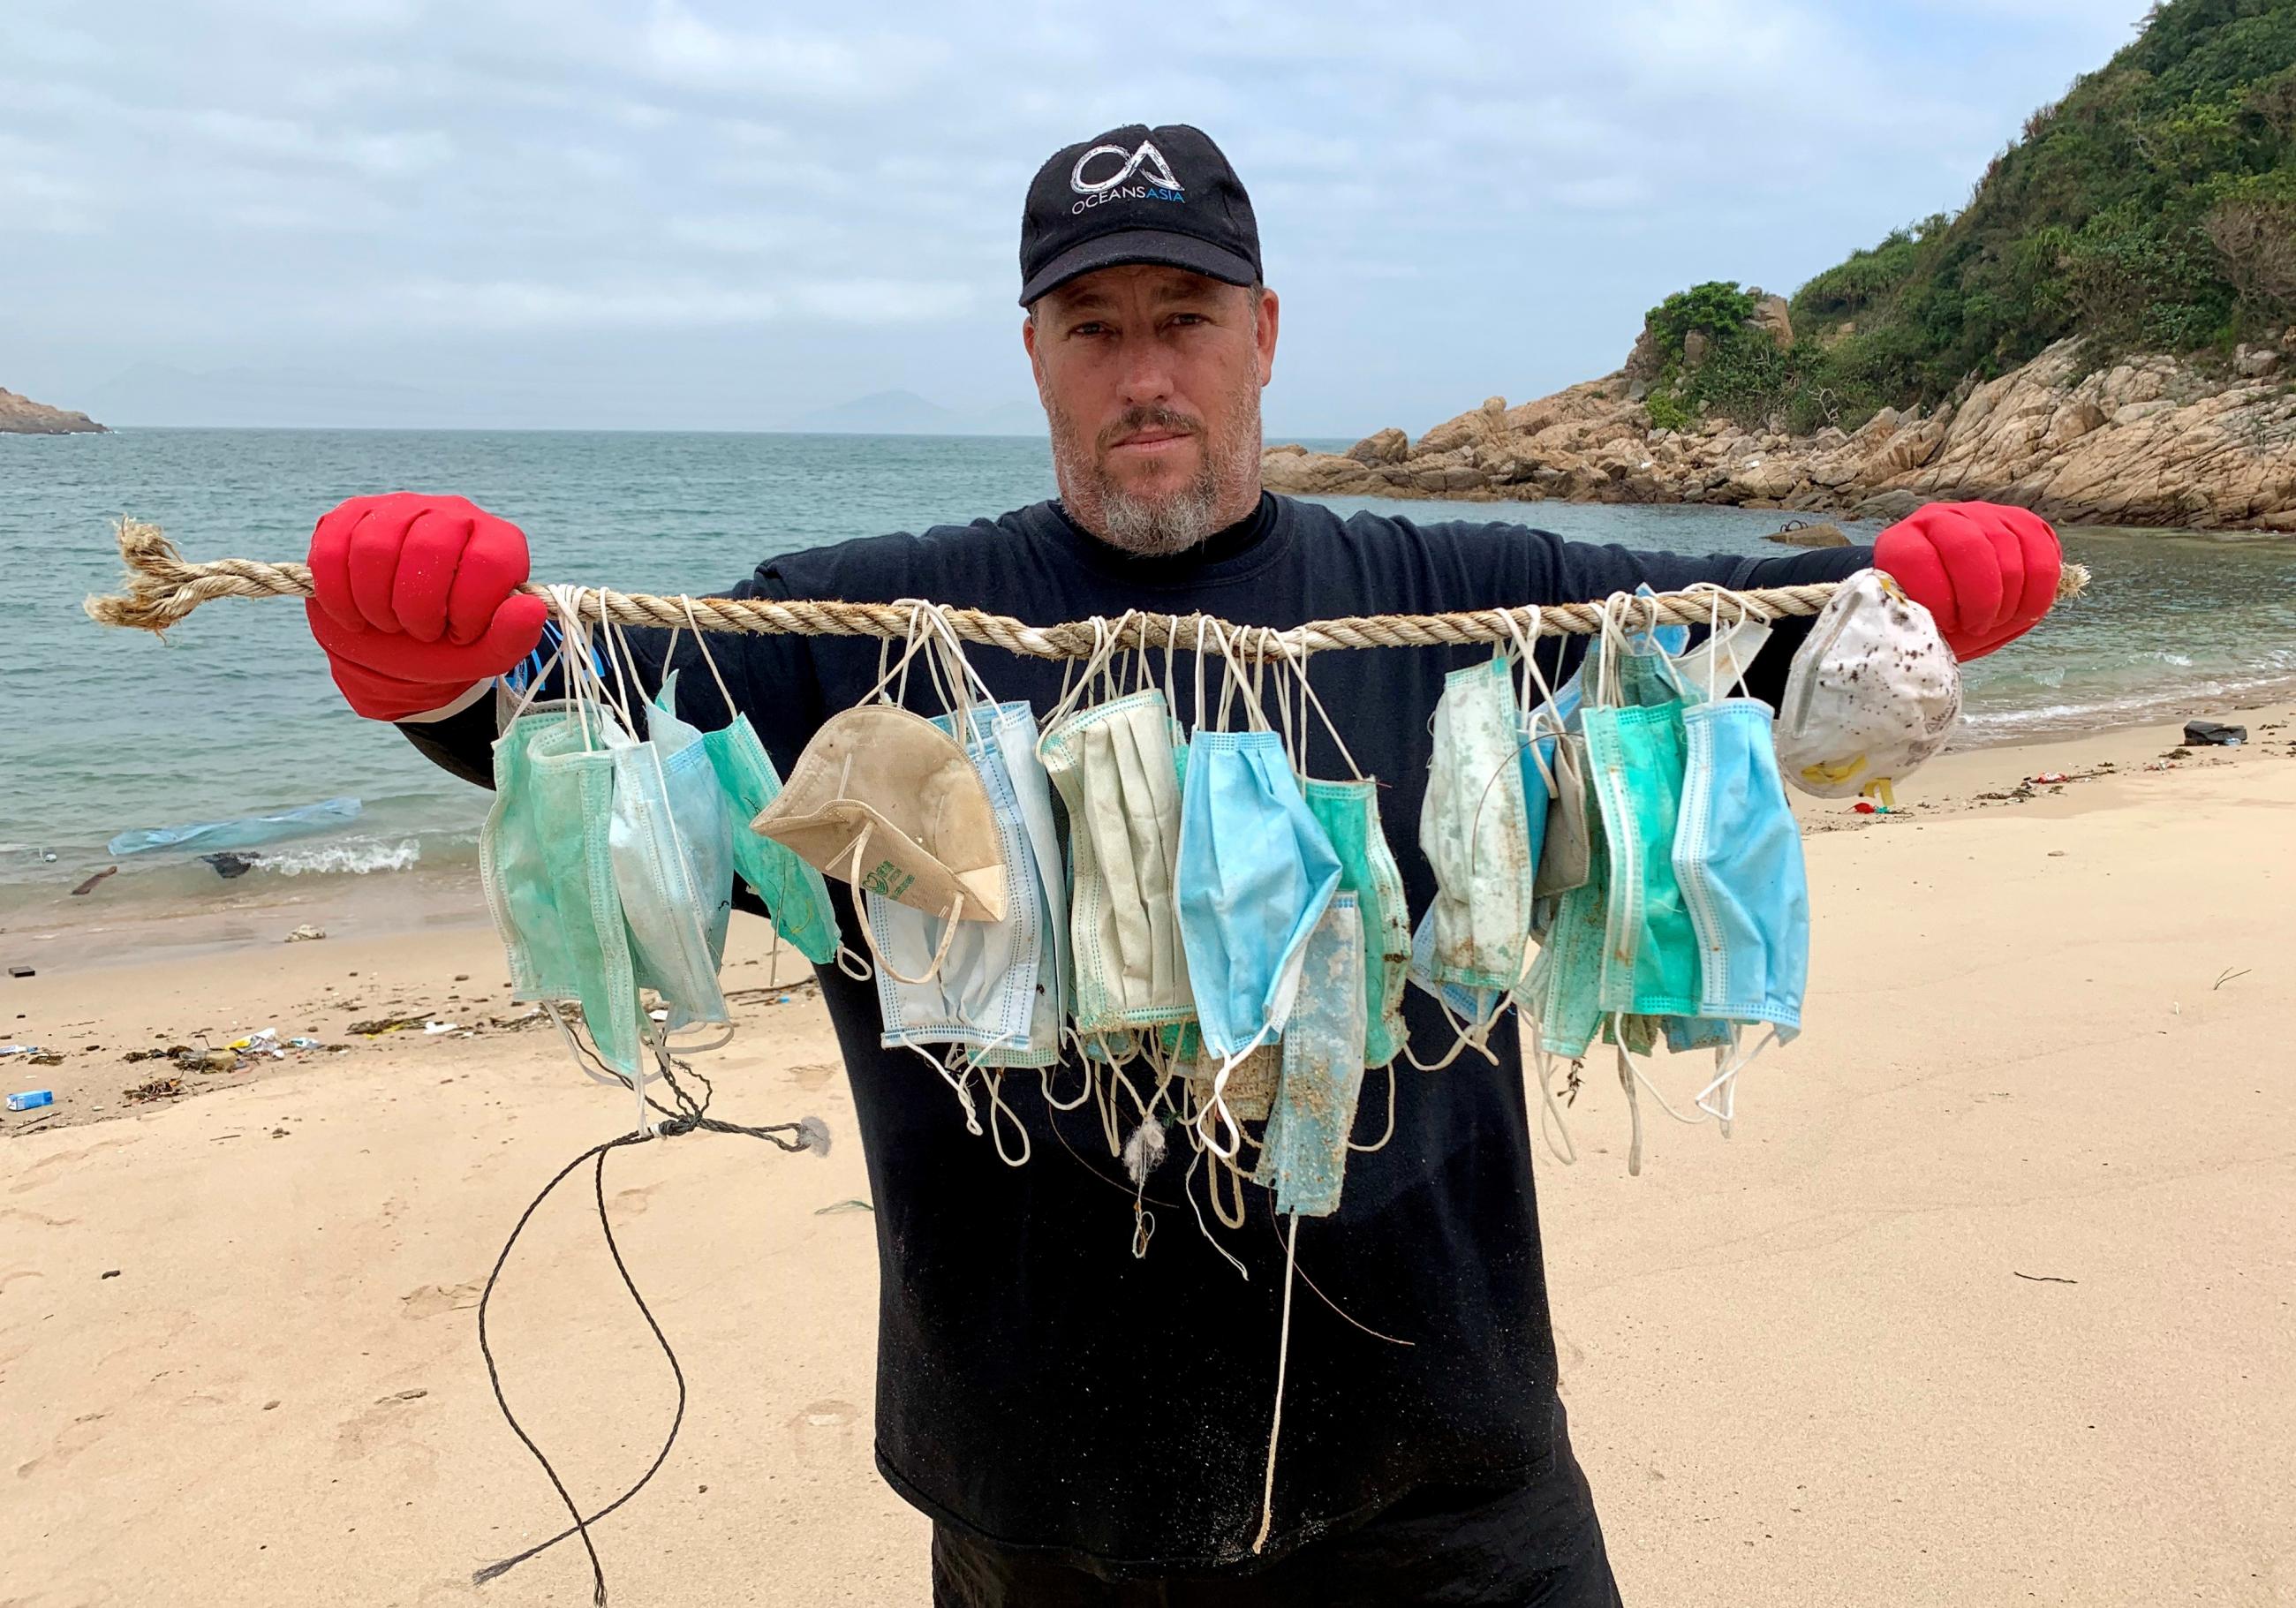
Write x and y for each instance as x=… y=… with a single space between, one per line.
x=1872 y=693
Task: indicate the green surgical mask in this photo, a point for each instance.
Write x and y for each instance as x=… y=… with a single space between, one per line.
x=546 y=865
x=1349 y=813
x=1637 y=755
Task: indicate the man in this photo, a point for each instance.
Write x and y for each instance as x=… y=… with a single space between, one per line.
x=1082 y=1426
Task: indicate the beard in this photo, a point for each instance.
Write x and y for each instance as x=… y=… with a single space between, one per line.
x=1172 y=522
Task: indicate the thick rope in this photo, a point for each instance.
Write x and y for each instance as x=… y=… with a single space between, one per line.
x=163 y=588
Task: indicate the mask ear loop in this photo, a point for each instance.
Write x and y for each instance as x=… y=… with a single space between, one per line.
x=1551 y=1126
x=980 y=699
x=574 y=654
x=1309 y=701
x=1199 y=722
x=1171 y=640
x=1526 y=642
x=891 y=671
x=1630 y=1075
x=1188 y=1189
x=994 y=1081
x=1233 y=1219
x=1075 y=684
x=948 y=927
x=1649 y=606
x=1364 y=1150
x=533 y=688
x=1255 y=712
x=701 y=642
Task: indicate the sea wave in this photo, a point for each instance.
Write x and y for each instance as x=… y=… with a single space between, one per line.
x=351 y=857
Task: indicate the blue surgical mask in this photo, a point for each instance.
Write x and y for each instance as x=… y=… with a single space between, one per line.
x=673 y=855
x=1738 y=857
x=1013 y=728
x=1254 y=875
x=982 y=994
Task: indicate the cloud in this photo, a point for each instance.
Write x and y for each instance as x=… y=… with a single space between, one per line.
x=1483 y=199
x=529 y=306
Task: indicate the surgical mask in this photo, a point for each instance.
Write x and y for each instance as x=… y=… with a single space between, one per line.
x=1566 y=983
x=1012 y=728
x=1304 y=1147
x=1562 y=858
x=1872 y=693
x=1722 y=660
x=979 y=978
x=1349 y=813
x=1473 y=829
x=1738 y=857
x=1471 y=1011
x=671 y=842
x=549 y=878
x=795 y=894
x=1113 y=765
x=1636 y=756
x=1254 y=875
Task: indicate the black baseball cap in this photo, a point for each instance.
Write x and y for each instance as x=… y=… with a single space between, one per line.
x=1137 y=194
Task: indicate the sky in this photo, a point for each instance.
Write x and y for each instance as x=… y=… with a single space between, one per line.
x=700 y=215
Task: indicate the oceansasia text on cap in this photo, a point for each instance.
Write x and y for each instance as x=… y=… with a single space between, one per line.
x=1137 y=194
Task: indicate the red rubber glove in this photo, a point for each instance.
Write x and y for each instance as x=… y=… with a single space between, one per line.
x=414 y=601
x=1988 y=573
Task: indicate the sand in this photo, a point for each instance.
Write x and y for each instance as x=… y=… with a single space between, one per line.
x=1827 y=1361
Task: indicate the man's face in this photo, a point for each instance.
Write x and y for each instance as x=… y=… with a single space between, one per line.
x=1150 y=379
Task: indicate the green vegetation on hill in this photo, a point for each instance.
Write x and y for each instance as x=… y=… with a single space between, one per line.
x=2152 y=208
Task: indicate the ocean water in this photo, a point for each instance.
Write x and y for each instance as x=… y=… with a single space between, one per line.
x=104 y=732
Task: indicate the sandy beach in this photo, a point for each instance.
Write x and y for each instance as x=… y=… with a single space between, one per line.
x=1986 y=1300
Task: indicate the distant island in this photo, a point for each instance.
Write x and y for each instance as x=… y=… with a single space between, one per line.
x=22 y=416
x=2106 y=333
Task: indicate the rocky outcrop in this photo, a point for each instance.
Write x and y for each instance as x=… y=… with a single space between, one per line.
x=2147 y=441
x=22 y=416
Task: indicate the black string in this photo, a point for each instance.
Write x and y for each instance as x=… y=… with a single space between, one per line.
x=689 y=1116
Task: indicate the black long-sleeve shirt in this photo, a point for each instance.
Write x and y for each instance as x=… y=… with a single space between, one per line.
x=1038 y=1386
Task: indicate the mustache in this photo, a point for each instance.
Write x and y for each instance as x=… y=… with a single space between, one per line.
x=1138 y=419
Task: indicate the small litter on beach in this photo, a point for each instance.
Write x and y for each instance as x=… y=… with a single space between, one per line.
x=21 y=971
x=305 y=935
x=433 y=1028
x=2208 y=733
x=229 y=866
x=835 y=1206
x=2048 y=778
x=31 y=1099
x=384 y=1024
x=159 y=1089
x=18 y=1049
x=89 y=886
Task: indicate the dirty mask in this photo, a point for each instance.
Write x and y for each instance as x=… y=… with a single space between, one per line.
x=1872 y=693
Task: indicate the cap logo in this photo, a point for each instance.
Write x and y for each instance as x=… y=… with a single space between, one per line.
x=1147 y=161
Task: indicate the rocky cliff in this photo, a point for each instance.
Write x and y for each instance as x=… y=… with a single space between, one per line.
x=2146 y=441
x=22 y=416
